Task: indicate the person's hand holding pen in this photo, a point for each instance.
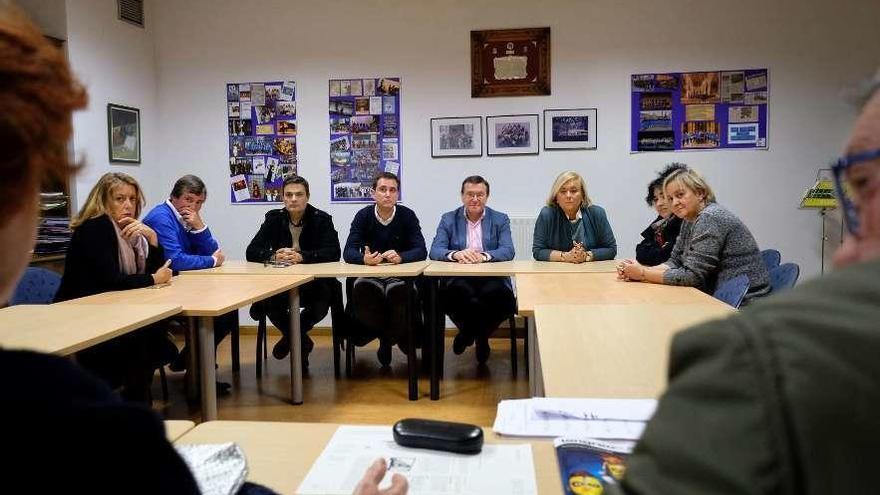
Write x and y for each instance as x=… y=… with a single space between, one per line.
x=392 y=257
x=371 y=258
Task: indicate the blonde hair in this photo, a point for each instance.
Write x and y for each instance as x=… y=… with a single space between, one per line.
x=561 y=180
x=99 y=197
x=692 y=180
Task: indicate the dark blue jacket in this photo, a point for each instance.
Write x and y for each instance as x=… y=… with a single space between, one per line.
x=403 y=235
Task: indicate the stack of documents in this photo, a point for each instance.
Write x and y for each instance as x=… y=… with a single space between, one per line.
x=606 y=419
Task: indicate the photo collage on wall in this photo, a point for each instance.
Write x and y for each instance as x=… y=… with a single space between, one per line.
x=364 y=135
x=262 y=139
x=700 y=110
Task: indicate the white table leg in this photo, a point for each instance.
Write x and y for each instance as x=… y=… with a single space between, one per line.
x=208 y=376
x=296 y=376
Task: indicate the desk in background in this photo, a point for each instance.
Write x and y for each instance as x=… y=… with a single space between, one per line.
x=439 y=269
x=66 y=329
x=405 y=271
x=279 y=455
x=205 y=298
x=611 y=350
x=594 y=288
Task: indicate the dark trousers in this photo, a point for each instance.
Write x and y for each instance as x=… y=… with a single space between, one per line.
x=378 y=306
x=477 y=305
x=315 y=298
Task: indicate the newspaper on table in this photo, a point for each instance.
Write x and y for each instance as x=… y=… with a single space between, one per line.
x=219 y=469
x=497 y=469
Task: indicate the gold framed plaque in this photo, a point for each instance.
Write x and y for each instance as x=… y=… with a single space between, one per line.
x=510 y=62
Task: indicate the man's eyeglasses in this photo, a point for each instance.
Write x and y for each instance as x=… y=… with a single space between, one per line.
x=845 y=193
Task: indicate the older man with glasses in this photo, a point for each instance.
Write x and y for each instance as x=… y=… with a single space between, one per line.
x=783 y=397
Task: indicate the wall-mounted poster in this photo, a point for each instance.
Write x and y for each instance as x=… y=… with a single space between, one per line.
x=724 y=109
x=262 y=139
x=364 y=135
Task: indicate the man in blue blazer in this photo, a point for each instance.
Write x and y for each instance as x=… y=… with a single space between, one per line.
x=189 y=244
x=475 y=233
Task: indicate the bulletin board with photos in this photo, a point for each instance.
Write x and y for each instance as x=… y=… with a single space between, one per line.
x=262 y=139
x=364 y=135
x=724 y=109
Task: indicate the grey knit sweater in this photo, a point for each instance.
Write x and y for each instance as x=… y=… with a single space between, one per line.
x=713 y=248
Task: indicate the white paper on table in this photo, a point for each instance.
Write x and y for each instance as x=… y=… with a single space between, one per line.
x=586 y=409
x=516 y=418
x=497 y=469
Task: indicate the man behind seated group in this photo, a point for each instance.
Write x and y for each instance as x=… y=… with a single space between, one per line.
x=475 y=233
x=189 y=245
x=297 y=233
x=384 y=232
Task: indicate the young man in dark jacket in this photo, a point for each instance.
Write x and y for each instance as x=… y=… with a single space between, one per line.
x=384 y=232
x=297 y=233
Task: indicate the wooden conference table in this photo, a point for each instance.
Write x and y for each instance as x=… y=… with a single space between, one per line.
x=66 y=329
x=175 y=428
x=279 y=455
x=611 y=350
x=438 y=269
x=206 y=298
x=406 y=271
x=606 y=292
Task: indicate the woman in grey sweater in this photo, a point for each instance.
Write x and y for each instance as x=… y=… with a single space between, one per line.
x=713 y=246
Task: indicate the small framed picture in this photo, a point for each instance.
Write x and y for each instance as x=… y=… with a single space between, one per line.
x=512 y=135
x=570 y=129
x=456 y=136
x=124 y=133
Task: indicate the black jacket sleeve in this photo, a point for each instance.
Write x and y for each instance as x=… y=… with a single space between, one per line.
x=649 y=253
x=357 y=234
x=264 y=242
x=319 y=242
x=415 y=241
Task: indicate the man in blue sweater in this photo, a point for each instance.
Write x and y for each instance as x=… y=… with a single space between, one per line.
x=189 y=245
x=384 y=232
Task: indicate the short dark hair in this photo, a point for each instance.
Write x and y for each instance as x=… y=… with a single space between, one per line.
x=296 y=179
x=386 y=175
x=475 y=179
x=189 y=184
x=658 y=181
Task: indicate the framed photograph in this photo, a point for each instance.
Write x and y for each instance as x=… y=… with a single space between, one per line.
x=512 y=135
x=510 y=62
x=124 y=133
x=570 y=129
x=456 y=136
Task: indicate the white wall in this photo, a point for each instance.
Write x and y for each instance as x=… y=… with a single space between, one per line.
x=49 y=15
x=813 y=50
x=116 y=61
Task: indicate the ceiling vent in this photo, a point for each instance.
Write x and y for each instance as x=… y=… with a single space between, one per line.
x=131 y=11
